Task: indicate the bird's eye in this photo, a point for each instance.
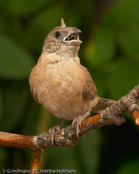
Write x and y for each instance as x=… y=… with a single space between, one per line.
x=57 y=34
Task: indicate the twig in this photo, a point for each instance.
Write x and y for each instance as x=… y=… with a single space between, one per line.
x=135 y=114
x=36 y=161
x=24 y=142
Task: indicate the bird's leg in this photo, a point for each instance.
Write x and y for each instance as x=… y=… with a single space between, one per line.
x=54 y=130
x=77 y=122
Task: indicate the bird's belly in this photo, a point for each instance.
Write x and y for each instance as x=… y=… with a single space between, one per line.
x=61 y=92
x=64 y=105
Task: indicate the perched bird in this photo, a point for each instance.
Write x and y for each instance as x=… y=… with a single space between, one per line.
x=60 y=83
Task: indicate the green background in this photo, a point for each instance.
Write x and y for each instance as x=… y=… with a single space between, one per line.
x=110 y=51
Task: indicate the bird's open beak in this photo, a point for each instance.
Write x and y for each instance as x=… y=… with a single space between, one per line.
x=73 y=37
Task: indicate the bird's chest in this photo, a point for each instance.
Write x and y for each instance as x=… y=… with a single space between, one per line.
x=58 y=86
x=60 y=89
x=65 y=78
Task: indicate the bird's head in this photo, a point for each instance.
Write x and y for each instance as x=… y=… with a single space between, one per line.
x=63 y=40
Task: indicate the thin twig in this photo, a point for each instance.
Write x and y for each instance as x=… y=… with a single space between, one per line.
x=135 y=114
x=24 y=142
x=36 y=161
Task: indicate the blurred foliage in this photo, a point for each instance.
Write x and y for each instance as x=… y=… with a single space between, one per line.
x=110 y=51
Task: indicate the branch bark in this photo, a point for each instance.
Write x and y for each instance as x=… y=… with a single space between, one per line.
x=17 y=141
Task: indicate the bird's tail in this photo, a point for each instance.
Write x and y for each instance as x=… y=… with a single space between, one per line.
x=102 y=104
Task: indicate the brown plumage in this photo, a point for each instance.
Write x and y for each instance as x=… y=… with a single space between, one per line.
x=60 y=83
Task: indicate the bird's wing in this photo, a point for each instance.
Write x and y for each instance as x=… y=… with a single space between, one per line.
x=89 y=89
x=32 y=80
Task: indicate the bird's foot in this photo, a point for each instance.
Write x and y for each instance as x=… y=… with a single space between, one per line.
x=53 y=131
x=77 y=122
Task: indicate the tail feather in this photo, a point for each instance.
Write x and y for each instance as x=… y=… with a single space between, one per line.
x=102 y=104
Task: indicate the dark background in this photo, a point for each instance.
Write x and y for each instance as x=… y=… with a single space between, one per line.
x=110 y=51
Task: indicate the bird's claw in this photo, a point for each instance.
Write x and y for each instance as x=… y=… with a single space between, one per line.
x=53 y=131
x=77 y=122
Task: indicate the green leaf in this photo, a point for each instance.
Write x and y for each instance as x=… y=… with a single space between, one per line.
x=24 y=7
x=129 y=42
x=100 y=49
x=124 y=18
x=124 y=78
x=15 y=98
x=123 y=21
x=129 y=167
x=15 y=62
x=31 y=119
x=41 y=25
x=89 y=150
x=125 y=13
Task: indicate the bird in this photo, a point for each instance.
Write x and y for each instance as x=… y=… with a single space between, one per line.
x=61 y=84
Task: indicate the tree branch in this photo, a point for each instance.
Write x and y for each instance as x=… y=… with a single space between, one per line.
x=17 y=141
x=24 y=142
x=67 y=137
x=111 y=115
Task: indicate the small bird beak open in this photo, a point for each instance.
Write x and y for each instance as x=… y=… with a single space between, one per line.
x=73 y=37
